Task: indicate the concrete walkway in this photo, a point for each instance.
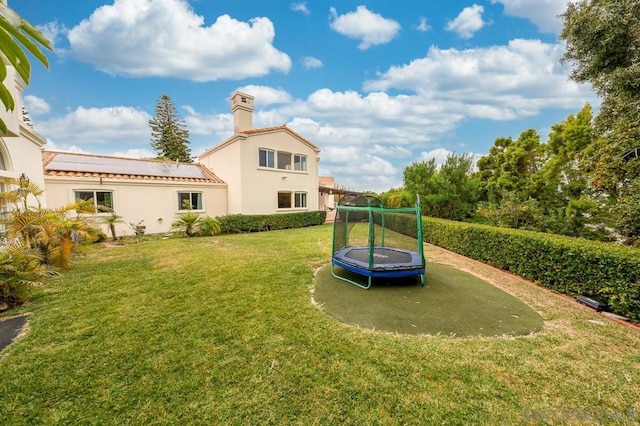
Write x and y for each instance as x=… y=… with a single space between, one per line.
x=9 y=330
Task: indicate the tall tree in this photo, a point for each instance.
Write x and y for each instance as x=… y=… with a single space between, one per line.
x=16 y=34
x=169 y=135
x=449 y=191
x=603 y=45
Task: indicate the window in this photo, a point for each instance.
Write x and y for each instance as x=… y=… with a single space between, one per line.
x=287 y=200
x=300 y=162
x=284 y=200
x=301 y=199
x=102 y=200
x=284 y=160
x=189 y=200
x=266 y=158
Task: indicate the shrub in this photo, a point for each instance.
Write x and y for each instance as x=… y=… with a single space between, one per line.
x=238 y=223
x=572 y=266
x=20 y=270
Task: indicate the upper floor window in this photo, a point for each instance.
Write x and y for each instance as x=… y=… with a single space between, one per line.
x=284 y=160
x=266 y=158
x=102 y=200
x=189 y=200
x=300 y=162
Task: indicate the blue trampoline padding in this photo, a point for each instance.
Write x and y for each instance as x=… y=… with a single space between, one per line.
x=388 y=262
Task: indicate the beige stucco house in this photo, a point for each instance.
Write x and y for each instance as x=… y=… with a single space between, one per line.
x=146 y=192
x=267 y=170
x=255 y=171
x=20 y=146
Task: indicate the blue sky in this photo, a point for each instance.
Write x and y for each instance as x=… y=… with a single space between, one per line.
x=376 y=84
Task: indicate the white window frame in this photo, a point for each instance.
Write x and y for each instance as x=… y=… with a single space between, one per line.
x=300 y=200
x=94 y=197
x=200 y=195
x=300 y=162
x=267 y=153
x=289 y=166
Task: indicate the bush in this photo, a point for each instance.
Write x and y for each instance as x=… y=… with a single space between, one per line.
x=238 y=223
x=572 y=266
x=21 y=269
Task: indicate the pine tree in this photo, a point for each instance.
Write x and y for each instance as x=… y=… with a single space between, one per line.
x=169 y=135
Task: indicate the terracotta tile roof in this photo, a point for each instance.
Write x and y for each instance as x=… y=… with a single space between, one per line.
x=102 y=166
x=286 y=129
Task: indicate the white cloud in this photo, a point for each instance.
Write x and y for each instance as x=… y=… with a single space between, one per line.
x=495 y=82
x=391 y=151
x=440 y=155
x=135 y=153
x=265 y=95
x=220 y=125
x=300 y=7
x=99 y=125
x=368 y=27
x=543 y=13
x=52 y=146
x=467 y=22
x=165 y=38
x=309 y=62
x=35 y=105
x=423 y=26
x=52 y=31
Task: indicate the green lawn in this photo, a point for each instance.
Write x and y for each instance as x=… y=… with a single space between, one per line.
x=222 y=330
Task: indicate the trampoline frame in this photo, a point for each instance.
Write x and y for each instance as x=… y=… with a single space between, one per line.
x=413 y=268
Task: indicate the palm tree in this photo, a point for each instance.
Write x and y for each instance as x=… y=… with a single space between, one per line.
x=187 y=224
x=17 y=34
x=51 y=231
x=111 y=221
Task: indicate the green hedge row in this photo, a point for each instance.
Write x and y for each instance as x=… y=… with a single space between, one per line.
x=567 y=265
x=240 y=223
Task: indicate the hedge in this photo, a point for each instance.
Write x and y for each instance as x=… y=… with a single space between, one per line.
x=571 y=266
x=239 y=223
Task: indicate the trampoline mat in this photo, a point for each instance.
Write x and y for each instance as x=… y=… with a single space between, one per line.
x=383 y=258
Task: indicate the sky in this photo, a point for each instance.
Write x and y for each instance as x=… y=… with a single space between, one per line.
x=376 y=84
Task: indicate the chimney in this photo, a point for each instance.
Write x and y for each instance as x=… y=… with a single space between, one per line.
x=242 y=108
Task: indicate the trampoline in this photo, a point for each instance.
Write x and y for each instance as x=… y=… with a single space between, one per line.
x=376 y=242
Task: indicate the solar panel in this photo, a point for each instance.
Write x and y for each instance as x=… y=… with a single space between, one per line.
x=126 y=166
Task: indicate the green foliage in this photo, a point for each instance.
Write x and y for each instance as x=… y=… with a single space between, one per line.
x=187 y=224
x=111 y=221
x=567 y=265
x=603 y=45
x=449 y=192
x=21 y=269
x=16 y=34
x=237 y=223
x=397 y=198
x=169 y=135
x=210 y=226
x=54 y=232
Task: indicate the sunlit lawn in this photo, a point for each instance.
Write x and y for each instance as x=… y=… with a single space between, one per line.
x=222 y=330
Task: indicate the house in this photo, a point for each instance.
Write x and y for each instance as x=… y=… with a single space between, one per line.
x=255 y=171
x=20 y=146
x=267 y=170
x=146 y=192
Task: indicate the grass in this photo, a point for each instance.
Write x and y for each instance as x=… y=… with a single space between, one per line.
x=222 y=330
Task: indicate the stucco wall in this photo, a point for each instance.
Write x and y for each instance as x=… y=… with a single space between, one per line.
x=225 y=163
x=21 y=147
x=155 y=203
x=261 y=185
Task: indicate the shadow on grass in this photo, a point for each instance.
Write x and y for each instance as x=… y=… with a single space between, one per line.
x=451 y=303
